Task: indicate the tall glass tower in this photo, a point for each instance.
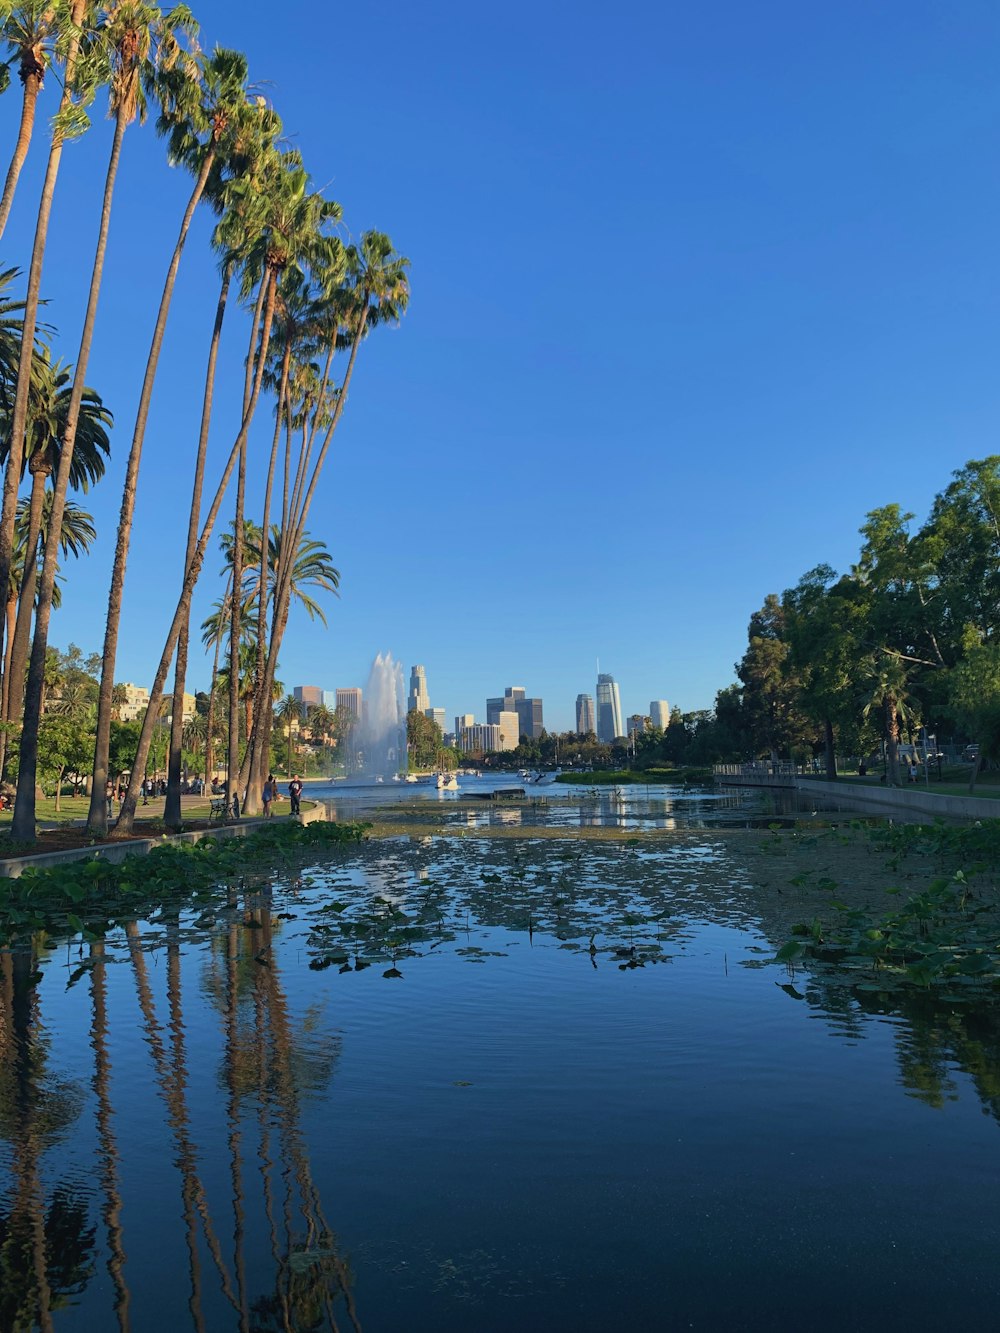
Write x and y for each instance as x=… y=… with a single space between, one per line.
x=585 y=721
x=609 y=709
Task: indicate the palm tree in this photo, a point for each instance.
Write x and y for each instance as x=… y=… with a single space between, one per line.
x=67 y=122
x=253 y=158
x=51 y=403
x=121 y=52
x=887 y=682
x=198 y=120
x=376 y=292
x=288 y=712
x=29 y=31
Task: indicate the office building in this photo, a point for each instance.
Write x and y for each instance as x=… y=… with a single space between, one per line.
x=308 y=696
x=586 y=722
x=330 y=699
x=436 y=715
x=479 y=738
x=637 y=724
x=510 y=731
x=463 y=720
x=529 y=711
x=659 y=713
x=350 y=699
x=419 y=700
x=609 y=709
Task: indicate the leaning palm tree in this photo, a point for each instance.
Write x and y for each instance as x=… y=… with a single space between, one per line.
x=198 y=119
x=376 y=293
x=120 y=53
x=29 y=31
x=244 y=178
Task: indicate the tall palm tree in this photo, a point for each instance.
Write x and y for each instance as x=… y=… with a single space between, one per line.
x=293 y=234
x=252 y=159
x=376 y=293
x=29 y=31
x=121 y=52
x=198 y=120
x=67 y=123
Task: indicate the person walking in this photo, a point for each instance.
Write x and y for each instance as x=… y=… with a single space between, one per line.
x=295 y=793
x=109 y=796
x=268 y=794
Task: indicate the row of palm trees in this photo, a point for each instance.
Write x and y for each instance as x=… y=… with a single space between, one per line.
x=312 y=300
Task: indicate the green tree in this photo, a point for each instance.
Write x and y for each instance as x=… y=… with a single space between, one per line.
x=29 y=31
x=423 y=739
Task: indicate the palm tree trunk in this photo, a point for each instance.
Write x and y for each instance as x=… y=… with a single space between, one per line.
x=210 y=720
x=26 y=601
x=10 y=621
x=35 y=691
x=892 y=741
x=172 y=810
x=12 y=476
x=255 y=777
x=32 y=78
x=831 y=754
x=127 y=814
x=97 y=819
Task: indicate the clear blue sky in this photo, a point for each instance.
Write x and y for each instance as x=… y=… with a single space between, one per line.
x=694 y=287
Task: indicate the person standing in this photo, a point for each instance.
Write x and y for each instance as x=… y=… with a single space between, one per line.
x=267 y=795
x=295 y=793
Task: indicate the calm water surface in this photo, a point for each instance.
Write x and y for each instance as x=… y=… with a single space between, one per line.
x=469 y=1085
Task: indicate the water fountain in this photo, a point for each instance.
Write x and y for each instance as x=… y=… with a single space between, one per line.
x=380 y=740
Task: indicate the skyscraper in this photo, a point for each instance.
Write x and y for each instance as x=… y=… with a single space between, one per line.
x=659 y=712
x=529 y=711
x=436 y=715
x=308 y=696
x=350 y=699
x=419 y=700
x=609 y=709
x=586 y=722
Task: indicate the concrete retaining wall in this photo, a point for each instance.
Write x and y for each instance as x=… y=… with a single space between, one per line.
x=910 y=801
x=12 y=867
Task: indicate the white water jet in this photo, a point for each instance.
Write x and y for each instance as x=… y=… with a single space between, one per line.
x=381 y=738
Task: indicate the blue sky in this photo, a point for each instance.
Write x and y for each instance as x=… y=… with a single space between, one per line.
x=694 y=287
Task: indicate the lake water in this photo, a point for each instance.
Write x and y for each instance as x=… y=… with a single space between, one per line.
x=480 y=1084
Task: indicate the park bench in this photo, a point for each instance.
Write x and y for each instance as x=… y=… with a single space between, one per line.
x=218 y=811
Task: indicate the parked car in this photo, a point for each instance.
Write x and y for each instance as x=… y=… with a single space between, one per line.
x=971 y=753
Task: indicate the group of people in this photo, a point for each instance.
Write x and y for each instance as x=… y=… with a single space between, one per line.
x=271 y=794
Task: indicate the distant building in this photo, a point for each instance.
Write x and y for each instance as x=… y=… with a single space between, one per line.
x=436 y=715
x=480 y=737
x=609 y=709
x=510 y=731
x=464 y=720
x=330 y=699
x=637 y=724
x=585 y=719
x=419 y=700
x=659 y=713
x=308 y=696
x=136 y=701
x=349 y=698
x=529 y=711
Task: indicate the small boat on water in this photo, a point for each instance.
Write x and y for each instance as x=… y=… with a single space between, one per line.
x=447 y=782
x=411 y=777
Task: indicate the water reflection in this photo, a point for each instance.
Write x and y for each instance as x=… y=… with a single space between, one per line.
x=182 y=1102
x=268 y=1063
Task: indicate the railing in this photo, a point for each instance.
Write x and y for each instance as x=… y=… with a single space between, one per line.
x=757 y=773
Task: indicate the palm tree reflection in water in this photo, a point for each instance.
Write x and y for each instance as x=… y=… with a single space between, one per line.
x=268 y=1065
